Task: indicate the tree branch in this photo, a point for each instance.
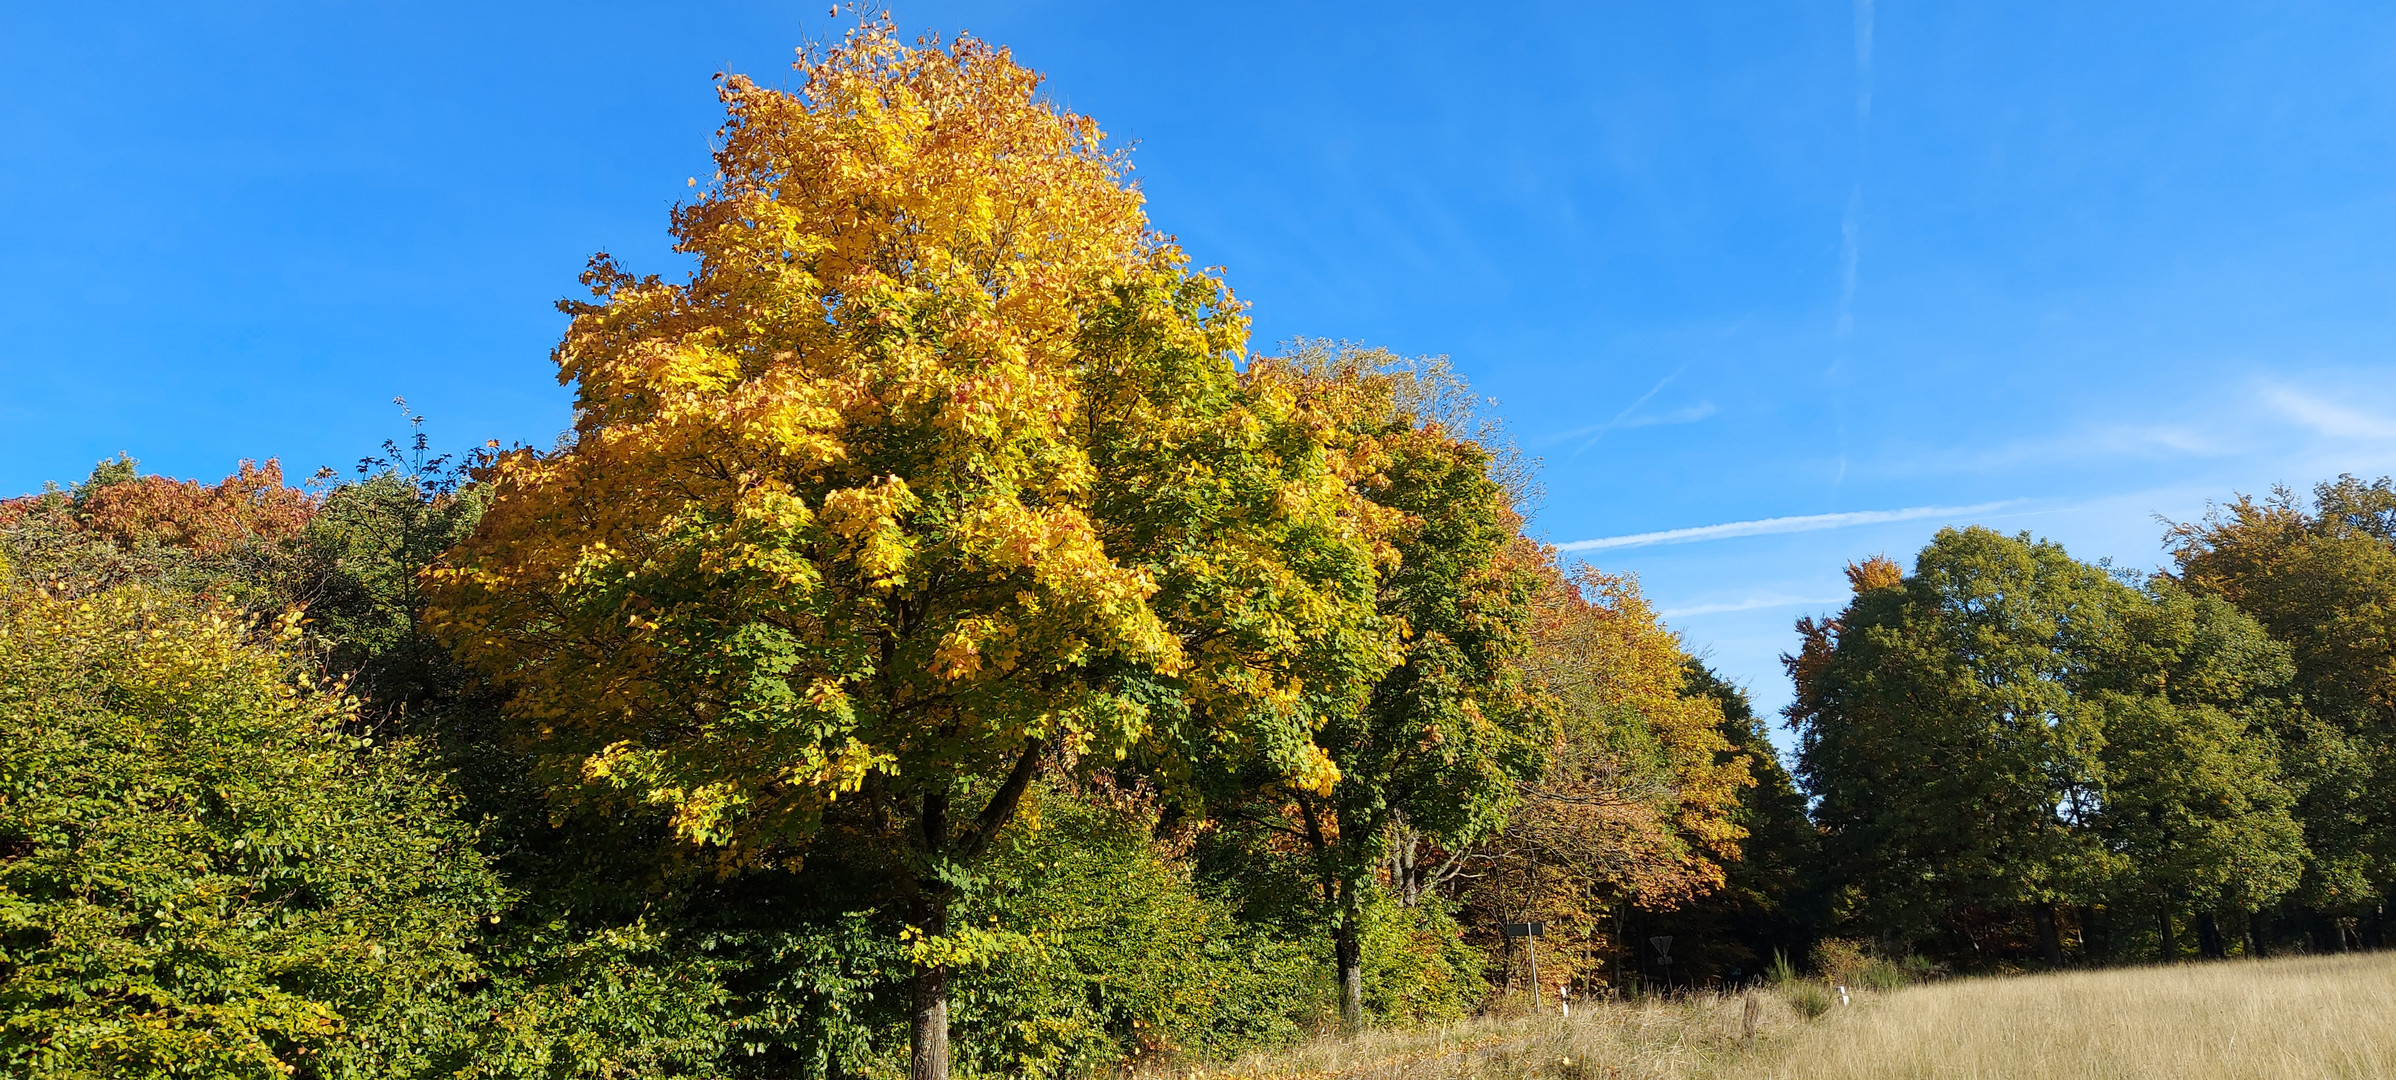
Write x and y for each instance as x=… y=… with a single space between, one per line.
x=1002 y=804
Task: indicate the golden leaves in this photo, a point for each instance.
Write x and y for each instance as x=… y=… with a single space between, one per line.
x=1640 y=784
x=939 y=451
x=866 y=520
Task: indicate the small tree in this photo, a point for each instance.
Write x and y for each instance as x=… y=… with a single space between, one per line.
x=935 y=475
x=203 y=869
x=1637 y=801
x=1435 y=748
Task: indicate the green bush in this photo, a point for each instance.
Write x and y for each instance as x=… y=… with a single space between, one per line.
x=202 y=871
x=1118 y=956
x=1417 y=967
x=1810 y=999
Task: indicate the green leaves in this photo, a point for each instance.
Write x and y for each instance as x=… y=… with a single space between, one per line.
x=2322 y=581
x=2006 y=727
x=205 y=874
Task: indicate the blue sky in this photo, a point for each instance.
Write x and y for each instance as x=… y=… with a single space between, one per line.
x=1850 y=270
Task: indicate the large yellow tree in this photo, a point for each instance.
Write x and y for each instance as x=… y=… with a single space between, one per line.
x=936 y=474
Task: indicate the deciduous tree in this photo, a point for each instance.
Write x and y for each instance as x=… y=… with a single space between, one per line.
x=1636 y=802
x=1944 y=733
x=936 y=474
x=203 y=869
x=2322 y=580
x=1438 y=746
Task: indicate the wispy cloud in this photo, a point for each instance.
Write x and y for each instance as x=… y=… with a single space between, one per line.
x=1752 y=603
x=2329 y=418
x=1689 y=415
x=1771 y=526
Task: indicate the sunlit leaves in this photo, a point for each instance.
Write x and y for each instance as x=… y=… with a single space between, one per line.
x=938 y=465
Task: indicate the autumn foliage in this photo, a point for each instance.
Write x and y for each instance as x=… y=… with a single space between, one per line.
x=937 y=621
x=938 y=476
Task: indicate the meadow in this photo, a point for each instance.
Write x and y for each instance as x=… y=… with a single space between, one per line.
x=2308 y=1017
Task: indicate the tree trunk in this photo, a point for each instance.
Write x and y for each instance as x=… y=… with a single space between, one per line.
x=928 y=1039
x=2095 y=943
x=929 y=1044
x=2050 y=939
x=2169 y=949
x=2208 y=938
x=1405 y=846
x=1349 y=954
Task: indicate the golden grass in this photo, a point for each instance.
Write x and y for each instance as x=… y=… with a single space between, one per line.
x=2309 y=1018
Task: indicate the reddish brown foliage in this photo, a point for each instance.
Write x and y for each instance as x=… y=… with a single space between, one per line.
x=250 y=505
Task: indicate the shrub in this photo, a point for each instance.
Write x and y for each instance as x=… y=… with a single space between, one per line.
x=1113 y=954
x=1417 y=967
x=1879 y=974
x=1810 y=999
x=201 y=871
x=1841 y=960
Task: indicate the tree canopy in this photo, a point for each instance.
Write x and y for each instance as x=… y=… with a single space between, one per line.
x=938 y=473
x=2006 y=729
x=2323 y=582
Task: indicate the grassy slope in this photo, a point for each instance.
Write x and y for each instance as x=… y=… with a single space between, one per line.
x=2298 y=1017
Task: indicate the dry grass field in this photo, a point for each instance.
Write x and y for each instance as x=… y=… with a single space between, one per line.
x=2311 y=1018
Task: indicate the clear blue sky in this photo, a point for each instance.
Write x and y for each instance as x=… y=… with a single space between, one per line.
x=2058 y=267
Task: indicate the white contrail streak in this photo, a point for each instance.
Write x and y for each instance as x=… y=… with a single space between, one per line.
x=1769 y=526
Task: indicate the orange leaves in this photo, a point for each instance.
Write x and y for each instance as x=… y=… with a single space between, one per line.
x=1877 y=572
x=252 y=505
x=1639 y=794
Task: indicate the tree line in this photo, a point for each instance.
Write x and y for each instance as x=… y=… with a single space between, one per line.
x=941 y=646
x=2016 y=752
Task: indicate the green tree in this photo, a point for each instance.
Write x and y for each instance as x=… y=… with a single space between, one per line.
x=2322 y=580
x=1943 y=730
x=2194 y=799
x=204 y=870
x=2007 y=728
x=1437 y=747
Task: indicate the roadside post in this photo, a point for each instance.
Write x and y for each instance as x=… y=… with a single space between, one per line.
x=1530 y=933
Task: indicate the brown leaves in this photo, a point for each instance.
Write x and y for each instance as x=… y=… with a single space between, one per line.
x=252 y=505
